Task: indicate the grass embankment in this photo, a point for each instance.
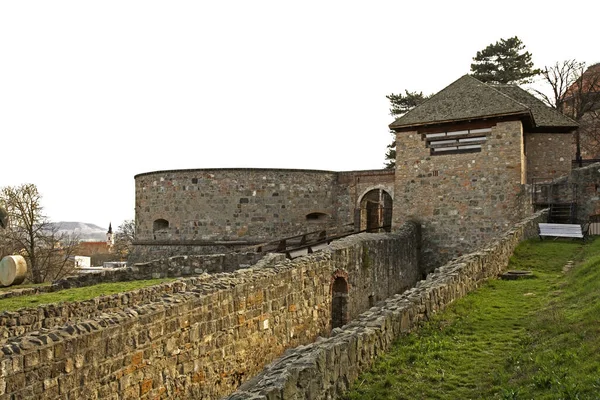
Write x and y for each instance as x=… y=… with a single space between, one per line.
x=76 y=294
x=526 y=339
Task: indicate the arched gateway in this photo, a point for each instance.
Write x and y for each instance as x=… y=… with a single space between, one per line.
x=376 y=211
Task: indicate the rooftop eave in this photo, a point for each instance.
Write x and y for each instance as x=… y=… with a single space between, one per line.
x=410 y=127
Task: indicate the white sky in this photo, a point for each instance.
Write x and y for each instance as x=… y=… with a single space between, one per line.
x=92 y=93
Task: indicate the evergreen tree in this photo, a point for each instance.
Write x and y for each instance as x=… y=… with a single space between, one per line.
x=504 y=62
x=400 y=104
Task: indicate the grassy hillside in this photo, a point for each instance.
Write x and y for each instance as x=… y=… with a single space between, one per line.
x=527 y=339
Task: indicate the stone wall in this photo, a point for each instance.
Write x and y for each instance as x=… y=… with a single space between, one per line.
x=47 y=316
x=231 y=204
x=548 y=155
x=152 y=250
x=25 y=320
x=204 y=341
x=587 y=180
x=172 y=267
x=587 y=183
x=220 y=210
x=462 y=200
x=326 y=368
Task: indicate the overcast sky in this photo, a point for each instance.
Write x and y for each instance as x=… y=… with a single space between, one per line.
x=93 y=93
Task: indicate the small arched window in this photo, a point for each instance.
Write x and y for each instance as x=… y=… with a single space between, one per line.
x=160 y=225
x=317 y=217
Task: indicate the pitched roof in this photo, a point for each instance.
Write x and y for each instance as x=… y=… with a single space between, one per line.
x=467 y=98
x=543 y=115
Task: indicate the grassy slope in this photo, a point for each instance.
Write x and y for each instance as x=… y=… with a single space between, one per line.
x=76 y=294
x=527 y=339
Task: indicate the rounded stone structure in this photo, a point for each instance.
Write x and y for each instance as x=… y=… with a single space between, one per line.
x=250 y=205
x=203 y=211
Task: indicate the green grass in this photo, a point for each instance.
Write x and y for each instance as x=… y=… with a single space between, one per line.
x=526 y=339
x=76 y=294
x=23 y=286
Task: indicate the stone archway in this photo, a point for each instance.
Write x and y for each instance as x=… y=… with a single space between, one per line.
x=339 y=302
x=375 y=211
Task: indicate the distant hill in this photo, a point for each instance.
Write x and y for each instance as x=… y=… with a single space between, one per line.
x=85 y=231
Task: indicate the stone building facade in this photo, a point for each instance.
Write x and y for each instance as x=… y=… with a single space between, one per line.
x=464 y=159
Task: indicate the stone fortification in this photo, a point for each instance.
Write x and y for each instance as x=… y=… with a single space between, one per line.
x=548 y=155
x=587 y=182
x=462 y=200
x=325 y=369
x=205 y=211
x=212 y=332
x=231 y=204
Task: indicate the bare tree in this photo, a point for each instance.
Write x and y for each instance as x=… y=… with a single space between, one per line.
x=560 y=77
x=576 y=93
x=56 y=255
x=29 y=233
x=124 y=237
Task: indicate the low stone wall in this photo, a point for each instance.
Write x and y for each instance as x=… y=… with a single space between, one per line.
x=173 y=267
x=325 y=369
x=202 y=343
x=44 y=317
x=149 y=250
x=587 y=180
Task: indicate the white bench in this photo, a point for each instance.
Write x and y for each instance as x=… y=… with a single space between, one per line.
x=574 y=231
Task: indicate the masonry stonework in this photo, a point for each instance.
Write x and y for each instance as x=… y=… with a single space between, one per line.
x=461 y=200
x=207 y=211
x=548 y=155
x=202 y=336
x=326 y=368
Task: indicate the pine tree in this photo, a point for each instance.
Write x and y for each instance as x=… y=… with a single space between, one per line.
x=504 y=62
x=400 y=104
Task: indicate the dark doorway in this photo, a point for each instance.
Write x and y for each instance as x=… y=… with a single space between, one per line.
x=376 y=211
x=339 y=303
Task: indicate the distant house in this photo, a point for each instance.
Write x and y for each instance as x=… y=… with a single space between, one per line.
x=91 y=248
x=82 y=261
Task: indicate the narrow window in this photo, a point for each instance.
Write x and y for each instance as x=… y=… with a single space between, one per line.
x=317 y=216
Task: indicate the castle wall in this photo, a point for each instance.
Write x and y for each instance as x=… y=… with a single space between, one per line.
x=219 y=210
x=587 y=180
x=326 y=369
x=25 y=320
x=203 y=341
x=548 y=155
x=231 y=204
x=462 y=200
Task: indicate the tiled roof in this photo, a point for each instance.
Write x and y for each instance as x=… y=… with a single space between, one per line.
x=467 y=99
x=543 y=115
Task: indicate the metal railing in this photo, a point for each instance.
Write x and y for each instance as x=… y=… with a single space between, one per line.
x=584 y=163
